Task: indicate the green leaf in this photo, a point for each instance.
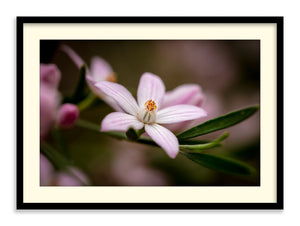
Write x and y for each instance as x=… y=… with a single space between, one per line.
x=222 y=164
x=219 y=123
x=80 y=92
x=201 y=147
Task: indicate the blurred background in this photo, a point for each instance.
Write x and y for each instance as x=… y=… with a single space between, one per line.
x=229 y=75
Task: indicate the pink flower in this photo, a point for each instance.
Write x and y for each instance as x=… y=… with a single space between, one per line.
x=50 y=110
x=146 y=112
x=99 y=70
x=190 y=94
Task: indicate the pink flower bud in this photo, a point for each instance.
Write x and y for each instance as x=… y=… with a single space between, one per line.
x=67 y=115
x=50 y=75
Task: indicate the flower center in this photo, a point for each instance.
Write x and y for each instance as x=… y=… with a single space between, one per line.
x=148 y=113
x=150 y=105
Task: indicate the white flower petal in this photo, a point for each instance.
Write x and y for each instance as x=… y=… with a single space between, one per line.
x=120 y=94
x=164 y=138
x=151 y=87
x=119 y=121
x=179 y=113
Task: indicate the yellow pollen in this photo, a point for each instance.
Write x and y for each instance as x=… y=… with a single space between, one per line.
x=150 y=105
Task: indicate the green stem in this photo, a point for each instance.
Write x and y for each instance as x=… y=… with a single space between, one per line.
x=122 y=136
x=140 y=131
x=86 y=102
x=200 y=147
x=146 y=140
x=96 y=128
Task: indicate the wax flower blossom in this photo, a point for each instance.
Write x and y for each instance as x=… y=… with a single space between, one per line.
x=146 y=112
x=99 y=70
x=51 y=111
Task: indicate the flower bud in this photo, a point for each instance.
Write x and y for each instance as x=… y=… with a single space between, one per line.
x=50 y=75
x=67 y=115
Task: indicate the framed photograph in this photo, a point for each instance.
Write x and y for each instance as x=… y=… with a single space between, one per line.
x=149 y=113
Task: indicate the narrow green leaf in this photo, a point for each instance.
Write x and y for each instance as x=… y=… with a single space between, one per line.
x=201 y=147
x=80 y=92
x=222 y=164
x=219 y=123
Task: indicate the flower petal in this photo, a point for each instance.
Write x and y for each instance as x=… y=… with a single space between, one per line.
x=151 y=87
x=73 y=55
x=197 y=100
x=120 y=94
x=110 y=101
x=179 y=113
x=164 y=138
x=119 y=121
x=184 y=94
x=100 y=69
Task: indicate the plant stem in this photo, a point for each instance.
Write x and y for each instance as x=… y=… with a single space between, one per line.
x=86 y=102
x=145 y=140
x=199 y=147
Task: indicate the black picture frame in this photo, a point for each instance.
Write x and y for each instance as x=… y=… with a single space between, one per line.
x=21 y=21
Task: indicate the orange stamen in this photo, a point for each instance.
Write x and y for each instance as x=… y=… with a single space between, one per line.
x=150 y=105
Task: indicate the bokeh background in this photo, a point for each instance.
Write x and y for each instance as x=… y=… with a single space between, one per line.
x=228 y=72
